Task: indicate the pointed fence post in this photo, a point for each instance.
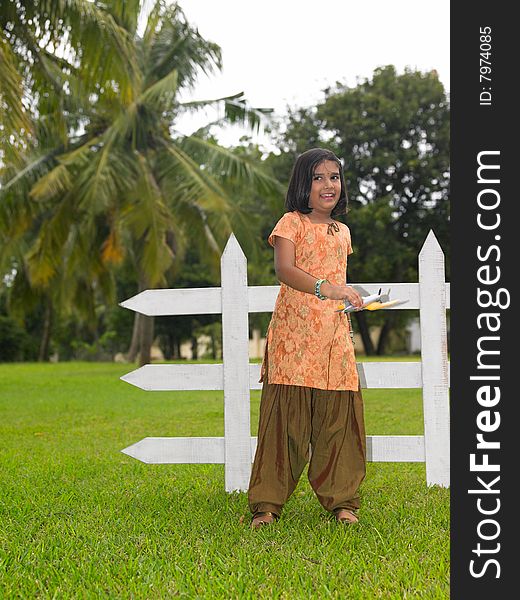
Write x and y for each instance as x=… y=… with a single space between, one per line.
x=235 y=358
x=434 y=354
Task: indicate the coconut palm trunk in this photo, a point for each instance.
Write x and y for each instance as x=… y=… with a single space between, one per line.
x=146 y=340
x=45 y=342
x=133 y=349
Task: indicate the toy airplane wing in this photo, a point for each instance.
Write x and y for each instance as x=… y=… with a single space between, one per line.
x=380 y=305
x=372 y=302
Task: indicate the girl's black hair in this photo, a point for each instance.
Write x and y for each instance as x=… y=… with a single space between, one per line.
x=299 y=190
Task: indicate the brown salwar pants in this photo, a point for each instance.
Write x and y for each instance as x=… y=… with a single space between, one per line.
x=291 y=418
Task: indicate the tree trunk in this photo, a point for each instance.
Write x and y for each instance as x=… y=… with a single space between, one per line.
x=45 y=343
x=133 y=350
x=169 y=349
x=143 y=332
x=213 y=346
x=364 y=333
x=384 y=335
x=146 y=340
x=194 y=348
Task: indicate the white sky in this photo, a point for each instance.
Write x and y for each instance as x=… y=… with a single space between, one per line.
x=285 y=52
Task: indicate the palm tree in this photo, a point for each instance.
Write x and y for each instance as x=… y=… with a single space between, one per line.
x=44 y=45
x=122 y=184
x=46 y=49
x=40 y=48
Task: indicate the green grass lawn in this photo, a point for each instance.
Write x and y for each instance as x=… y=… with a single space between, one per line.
x=79 y=519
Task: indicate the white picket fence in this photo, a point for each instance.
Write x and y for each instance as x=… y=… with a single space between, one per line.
x=236 y=376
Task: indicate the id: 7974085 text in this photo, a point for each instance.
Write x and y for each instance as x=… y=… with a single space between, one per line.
x=485 y=66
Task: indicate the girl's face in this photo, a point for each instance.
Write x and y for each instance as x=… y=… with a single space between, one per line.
x=325 y=188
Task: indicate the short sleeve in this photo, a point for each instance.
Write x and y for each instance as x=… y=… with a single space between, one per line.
x=289 y=227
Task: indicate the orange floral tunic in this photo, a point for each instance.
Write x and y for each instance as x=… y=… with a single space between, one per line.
x=308 y=343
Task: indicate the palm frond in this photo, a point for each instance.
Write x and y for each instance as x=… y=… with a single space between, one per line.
x=81 y=155
x=46 y=254
x=213 y=102
x=184 y=181
x=33 y=166
x=149 y=218
x=224 y=164
x=55 y=182
x=83 y=270
x=96 y=39
x=206 y=240
x=175 y=44
x=235 y=110
x=155 y=14
x=160 y=96
x=104 y=171
x=106 y=44
x=13 y=114
x=126 y=13
x=70 y=92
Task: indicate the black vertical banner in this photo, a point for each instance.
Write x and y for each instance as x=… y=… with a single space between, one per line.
x=485 y=431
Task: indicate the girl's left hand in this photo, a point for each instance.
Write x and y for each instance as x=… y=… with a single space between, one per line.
x=342 y=292
x=354 y=297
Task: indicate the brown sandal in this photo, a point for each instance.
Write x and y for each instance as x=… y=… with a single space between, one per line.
x=263 y=518
x=343 y=515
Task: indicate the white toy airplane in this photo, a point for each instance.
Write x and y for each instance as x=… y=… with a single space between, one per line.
x=372 y=302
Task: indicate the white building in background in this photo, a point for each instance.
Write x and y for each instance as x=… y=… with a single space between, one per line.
x=413 y=342
x=256 y=346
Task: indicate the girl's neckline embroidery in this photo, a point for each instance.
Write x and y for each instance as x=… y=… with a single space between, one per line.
x=331 y=226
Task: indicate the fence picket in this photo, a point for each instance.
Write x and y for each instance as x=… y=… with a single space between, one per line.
x=208 y=301
x=211 y=450
x=235 y=360
x=162 y=378
x=434 y=355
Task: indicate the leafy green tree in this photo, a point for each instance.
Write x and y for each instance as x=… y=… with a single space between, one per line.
x=393 y=132
x=123 y=185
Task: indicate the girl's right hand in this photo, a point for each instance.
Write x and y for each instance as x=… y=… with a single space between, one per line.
x=342 y=292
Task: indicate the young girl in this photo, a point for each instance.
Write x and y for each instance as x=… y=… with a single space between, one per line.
x=311 y=391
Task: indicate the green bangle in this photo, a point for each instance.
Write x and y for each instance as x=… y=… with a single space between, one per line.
x=317 y=288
